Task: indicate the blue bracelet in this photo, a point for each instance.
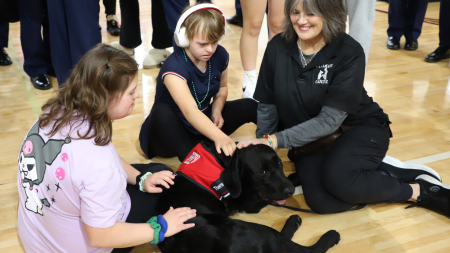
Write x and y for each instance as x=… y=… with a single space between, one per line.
x=163 y=223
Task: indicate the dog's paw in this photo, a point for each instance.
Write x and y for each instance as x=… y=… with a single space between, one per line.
x=294 y=219
x=291 y=226
x=331 y=238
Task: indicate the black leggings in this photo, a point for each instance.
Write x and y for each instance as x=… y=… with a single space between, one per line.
x=346 y=174
x=142 y=204
x=169 y=137
x=110 y=7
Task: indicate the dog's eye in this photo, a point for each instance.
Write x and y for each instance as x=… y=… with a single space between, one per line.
x=263 y=172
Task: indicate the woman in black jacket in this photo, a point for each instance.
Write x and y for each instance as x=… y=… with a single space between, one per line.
x=310 y=90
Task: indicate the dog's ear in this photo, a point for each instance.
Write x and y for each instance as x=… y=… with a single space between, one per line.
x=232 y=175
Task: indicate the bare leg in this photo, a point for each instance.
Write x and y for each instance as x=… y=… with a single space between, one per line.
x=275 y=17
x=416 y=192
x=253 y=14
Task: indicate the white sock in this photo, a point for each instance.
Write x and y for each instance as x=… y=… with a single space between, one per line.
x=246 y=73
x=251 y=72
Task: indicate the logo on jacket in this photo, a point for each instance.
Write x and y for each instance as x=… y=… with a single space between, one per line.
x=322 y=77
x=192 y=158
x=323 y=73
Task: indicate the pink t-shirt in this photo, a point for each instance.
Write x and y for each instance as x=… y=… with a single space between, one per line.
x=63 y=183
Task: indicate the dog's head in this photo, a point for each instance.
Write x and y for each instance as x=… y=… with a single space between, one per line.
x=256 y=174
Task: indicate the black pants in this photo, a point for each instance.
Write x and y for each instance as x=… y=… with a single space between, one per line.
x=142 y=204
x=406 y=18
x=35 y=37
x=169 y=137
x=444 y=24
x=130 y=30
x=73 y=32
x=346 y=174
x=110 y=7
x=165 y=15
x=4 y=32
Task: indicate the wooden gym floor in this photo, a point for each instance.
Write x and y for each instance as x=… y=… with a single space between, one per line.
x=415 y=94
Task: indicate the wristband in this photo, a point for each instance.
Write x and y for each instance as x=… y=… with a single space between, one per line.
x=155 y=225
x=163 y=223
x=269 y=139
x=140 y=181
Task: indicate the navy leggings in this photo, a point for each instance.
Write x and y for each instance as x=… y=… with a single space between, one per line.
x=142 y=204
x=168 y=137
x=347 y=174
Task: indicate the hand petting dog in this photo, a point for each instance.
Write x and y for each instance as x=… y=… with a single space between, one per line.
x=152 y=182
x=177 y=217
x=248 y=142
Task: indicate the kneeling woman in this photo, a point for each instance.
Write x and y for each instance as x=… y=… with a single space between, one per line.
x=311 y=80
x=183 y=114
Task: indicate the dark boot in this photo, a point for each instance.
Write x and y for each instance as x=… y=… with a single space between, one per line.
x=411 y=44
x=393 y=43
x=5 y=60
x=438 y=55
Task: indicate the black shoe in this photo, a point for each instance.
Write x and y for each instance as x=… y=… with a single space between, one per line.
x=405 y=172
x=393 y=43
x=411 y=44
x=112 y=26
x=235 y=20
x=438 y=55
x=5 y=60
x=433 y=195
x=295 y=179
x=41 y=82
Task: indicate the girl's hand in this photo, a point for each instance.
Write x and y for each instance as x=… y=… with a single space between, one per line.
x=246 y=143
x=176 y=218
x=226 y=144
x=217 y=119
x=163 y=178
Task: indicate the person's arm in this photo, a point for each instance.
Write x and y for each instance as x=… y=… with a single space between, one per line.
x=267 y=118
x=122 y=234
x=101 y=201
x=219 y=100
x=132 y=173
x=326 y=122
x=181 y=94
x=163 y=178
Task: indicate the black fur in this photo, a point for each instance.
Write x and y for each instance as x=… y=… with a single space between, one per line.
x=254 y=177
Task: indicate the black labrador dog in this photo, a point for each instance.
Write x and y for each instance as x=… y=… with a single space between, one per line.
x=254 y=178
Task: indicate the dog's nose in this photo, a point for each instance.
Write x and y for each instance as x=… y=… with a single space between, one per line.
x=289 y=191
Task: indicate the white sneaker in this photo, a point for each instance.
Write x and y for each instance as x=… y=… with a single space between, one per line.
x=155 y=57
x=249 y=85
x=129 y=51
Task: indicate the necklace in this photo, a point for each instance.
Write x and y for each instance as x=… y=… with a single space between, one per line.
x=193 y=86
x=306 y=62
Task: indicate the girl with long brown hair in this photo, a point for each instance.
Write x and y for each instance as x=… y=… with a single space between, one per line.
x=76 y=194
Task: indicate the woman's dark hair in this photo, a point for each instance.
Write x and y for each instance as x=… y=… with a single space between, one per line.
x=332 y=12
x=101 y=76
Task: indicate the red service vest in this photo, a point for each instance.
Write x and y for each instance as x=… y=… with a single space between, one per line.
x=201 y=167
